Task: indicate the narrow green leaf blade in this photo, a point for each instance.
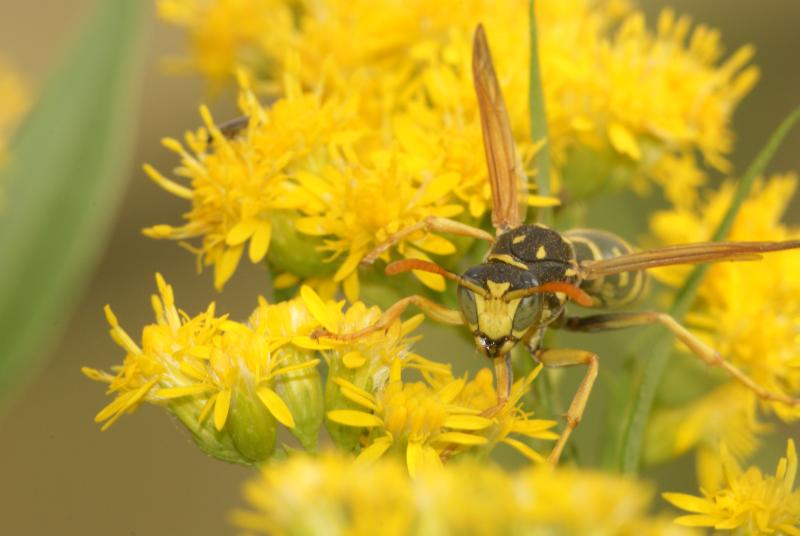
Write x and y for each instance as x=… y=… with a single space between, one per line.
x=538 y=118
x=68 y=167
x=660 y=342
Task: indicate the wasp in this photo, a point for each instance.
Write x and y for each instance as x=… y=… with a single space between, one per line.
x=531 y=272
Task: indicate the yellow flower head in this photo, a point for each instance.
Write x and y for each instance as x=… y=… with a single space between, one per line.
x=748 y=311
x=240 y=188
x=748 y=501
x=199 y=366
x=429 y=422
x=331 y=494
x=623 y=102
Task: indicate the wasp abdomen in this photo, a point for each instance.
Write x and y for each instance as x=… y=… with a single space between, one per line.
x=614 y=290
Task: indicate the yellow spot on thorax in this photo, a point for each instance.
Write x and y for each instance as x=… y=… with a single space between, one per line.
x=508 y=259
x=541 y=253
x=518 y=239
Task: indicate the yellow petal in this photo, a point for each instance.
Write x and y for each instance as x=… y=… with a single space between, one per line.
x=623 y=141
x=177 y=392
x=467 y=422
x=461 y=438
x=697 y=520
x=350 y=264
x=690 y=503
x=421 y=459
x=225 y=267
x=312 y=226
x=353 y=359
x=436 y=245
x=317 y=308
x=375 y=450
x=449 y=392
x=222 y=404
x=276 y=406
x=351 y=287
x=525 y=450
x=543 y=201
x=433 y=281
x=241 y=232
x=285 y=280
x=351 y=417
x=259 y=243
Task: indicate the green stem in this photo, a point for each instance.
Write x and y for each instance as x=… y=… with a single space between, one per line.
x=649 y=372
x=538 y=118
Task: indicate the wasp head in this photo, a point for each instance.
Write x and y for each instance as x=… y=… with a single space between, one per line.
x=497 y=319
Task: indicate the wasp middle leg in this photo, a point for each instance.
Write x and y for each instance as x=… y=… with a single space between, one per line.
x=700 y=349
x=567 y=357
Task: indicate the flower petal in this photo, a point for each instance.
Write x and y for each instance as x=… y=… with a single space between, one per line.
x=351 y=417
x=276 y=406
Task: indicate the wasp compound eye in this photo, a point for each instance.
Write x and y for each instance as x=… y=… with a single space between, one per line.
x=466 y=301
x=527 y=312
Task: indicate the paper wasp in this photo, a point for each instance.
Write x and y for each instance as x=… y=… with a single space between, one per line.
x=530 y=272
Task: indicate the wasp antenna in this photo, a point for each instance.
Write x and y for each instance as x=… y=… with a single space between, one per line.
x=574 y=292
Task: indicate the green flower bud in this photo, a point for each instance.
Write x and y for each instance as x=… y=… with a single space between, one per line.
x=302 y=392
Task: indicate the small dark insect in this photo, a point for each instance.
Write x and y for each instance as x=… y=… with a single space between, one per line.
x=530 y=271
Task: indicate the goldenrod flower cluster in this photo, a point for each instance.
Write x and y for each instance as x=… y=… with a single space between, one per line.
x=749 y=311
x=747 y=501
x=373 y=126
x=463 y=498
x=360 y=126
x=231 y=383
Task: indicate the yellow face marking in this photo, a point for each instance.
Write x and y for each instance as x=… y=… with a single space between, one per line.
x=495 y=315
x=518 y=239
x=508 y=259
x=541 y=253
x=496 y=290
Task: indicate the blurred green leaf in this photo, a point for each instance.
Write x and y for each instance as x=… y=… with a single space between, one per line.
x=68 y=167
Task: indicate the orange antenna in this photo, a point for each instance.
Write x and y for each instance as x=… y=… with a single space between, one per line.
x=574 y=292
x=407 y=265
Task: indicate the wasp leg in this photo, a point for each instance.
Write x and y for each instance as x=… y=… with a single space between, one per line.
x=430 y=223
x=431 y=309
x=567 y=357
x=703 y=351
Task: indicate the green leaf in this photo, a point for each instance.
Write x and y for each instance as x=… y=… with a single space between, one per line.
x=538 y=118
x=69 y=163
x=659 y=343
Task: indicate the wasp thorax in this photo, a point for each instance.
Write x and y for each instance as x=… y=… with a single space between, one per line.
x=496 y=320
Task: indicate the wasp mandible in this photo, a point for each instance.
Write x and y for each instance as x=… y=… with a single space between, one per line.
x=531 y=271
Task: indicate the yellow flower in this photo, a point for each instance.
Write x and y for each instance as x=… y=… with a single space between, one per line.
x=226 y=34
x=750 y=311
x=748 y=501
x=240 y=189
x=331 y=494
x=199 y=366
x=429 y=422
x=419 y=422
x=623 y=102
x=512 y=419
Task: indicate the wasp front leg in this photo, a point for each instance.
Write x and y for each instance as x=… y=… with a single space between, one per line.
x=428 y=224
x=700 y=349
x=567 y=357
x=431 y=309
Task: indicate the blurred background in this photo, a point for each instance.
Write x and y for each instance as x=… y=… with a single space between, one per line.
x=144 y=476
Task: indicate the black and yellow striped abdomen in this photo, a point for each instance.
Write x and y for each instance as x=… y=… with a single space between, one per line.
x=615 y=290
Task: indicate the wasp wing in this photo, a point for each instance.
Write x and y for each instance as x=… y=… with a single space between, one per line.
x=505 y=170
x=682 y=254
